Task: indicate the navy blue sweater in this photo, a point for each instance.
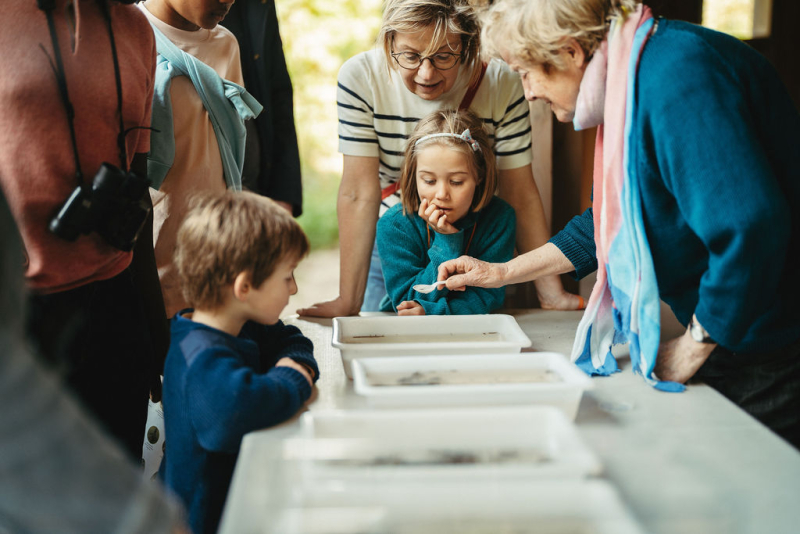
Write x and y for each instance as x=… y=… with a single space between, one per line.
x=217 y=388
x=715 y=141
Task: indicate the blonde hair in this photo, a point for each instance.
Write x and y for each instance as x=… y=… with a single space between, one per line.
x=481 y=162
x=225 y=235
x=535 y=31
x=457 y=17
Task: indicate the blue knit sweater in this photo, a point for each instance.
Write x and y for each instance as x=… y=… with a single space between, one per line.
x=715 y=146
x=407 y=260
x=217 y=388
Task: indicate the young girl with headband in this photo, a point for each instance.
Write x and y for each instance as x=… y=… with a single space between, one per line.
x=448 y=180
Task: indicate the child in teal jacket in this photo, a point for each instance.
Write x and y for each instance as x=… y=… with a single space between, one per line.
x=448 y=181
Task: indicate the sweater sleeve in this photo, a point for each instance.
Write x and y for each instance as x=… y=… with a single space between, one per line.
x=710 y=155
x=404 y=255
x=576 y=242
x=281 y=341
x=221 y=387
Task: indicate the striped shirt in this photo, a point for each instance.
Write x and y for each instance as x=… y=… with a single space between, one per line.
x=377 y=114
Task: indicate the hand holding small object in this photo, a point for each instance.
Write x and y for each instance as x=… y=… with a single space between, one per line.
x=427 y=288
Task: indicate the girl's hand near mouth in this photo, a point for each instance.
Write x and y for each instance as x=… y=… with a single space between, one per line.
x=436 y=217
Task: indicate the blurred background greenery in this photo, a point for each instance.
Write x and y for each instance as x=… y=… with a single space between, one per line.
x=318 y=36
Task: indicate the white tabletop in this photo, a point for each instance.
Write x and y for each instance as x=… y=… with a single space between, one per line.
x=688 y=462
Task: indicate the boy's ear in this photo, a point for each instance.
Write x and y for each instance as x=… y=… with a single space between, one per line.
x=242 y=286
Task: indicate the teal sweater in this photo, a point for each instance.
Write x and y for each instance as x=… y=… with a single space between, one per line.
x=715 y=146
x=407 y=260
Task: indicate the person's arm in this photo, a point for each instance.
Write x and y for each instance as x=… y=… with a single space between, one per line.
x=408 y=260
x=279 y=341
x=468 y=271
x=228 y=399
x=357 y=211
x=518 y=188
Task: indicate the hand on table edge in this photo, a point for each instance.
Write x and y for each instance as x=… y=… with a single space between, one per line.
x=680 y=358
x=329 y=309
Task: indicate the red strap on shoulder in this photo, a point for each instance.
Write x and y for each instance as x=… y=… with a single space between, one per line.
x=467 y=100
x=389 y=190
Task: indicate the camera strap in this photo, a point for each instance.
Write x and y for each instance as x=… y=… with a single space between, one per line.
x=48 y=6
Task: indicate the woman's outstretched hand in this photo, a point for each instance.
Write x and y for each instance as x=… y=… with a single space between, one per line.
x=468 y=271
x=332 y=308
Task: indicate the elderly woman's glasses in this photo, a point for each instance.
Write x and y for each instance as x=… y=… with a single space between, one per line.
x=440 y=61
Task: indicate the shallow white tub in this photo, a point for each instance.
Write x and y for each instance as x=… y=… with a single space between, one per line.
x=447 y=443
x=363 y=337
x=464 y=380
x=425 y=507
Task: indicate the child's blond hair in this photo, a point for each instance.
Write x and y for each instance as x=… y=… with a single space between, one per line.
x=481 y=162
x=225 y=235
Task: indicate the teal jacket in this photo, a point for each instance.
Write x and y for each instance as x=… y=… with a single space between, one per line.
x=227 y=103
x=407 y=259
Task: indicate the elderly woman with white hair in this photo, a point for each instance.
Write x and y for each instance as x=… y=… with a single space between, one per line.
x=695 y=193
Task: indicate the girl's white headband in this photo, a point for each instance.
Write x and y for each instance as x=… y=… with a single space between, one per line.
x=464 y=136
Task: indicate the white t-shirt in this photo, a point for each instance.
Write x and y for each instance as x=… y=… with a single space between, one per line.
x=377 y=113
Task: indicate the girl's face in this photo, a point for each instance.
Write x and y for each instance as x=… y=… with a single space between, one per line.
x=558 y=88
x=426 y=81
x=446 y=180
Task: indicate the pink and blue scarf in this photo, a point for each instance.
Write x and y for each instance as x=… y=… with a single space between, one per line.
x=624 y=304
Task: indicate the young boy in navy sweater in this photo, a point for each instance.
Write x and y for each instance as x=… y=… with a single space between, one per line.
x=233 y=366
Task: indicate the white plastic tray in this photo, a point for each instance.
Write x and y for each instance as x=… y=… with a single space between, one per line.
x=425 y=507
x=362 y=337
x=415 y=378
x=462 y=443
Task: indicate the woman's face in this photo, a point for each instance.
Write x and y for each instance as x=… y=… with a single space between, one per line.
x=558 y=88
x=426 y=81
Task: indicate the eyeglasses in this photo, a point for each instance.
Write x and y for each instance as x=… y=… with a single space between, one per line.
x=439 y=61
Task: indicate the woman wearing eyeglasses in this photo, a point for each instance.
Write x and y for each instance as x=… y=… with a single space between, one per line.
x=428 y=60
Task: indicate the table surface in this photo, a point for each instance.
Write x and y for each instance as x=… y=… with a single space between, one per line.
x=688 y=462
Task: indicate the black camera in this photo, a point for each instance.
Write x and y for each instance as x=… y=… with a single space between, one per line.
x=115 y=206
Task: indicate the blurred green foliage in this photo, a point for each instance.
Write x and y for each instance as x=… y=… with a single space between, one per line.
x=318 y=36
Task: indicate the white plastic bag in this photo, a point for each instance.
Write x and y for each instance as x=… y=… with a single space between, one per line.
x=153 y=447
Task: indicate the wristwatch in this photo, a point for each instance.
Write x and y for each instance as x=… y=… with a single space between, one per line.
x=699 y=333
